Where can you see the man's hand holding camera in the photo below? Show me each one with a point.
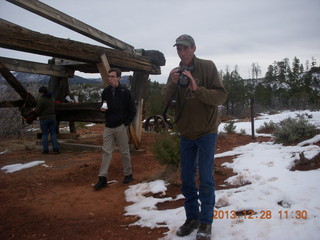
(175, 75)
(183, 78)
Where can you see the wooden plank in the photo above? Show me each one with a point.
(65, 20)
(37, 68)
(104, 68)
(19, 38)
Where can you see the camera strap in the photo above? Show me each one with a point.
(168, 105)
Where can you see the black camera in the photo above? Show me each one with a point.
(183, 79)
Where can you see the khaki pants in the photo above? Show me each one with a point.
(111, 137)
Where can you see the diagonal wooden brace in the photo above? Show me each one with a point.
(104, 68)
(24, 94)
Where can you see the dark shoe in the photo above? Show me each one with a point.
(56, 152)
(188, 227)
(45, 152)
(204, 232)
(101, 184)
(127, 179)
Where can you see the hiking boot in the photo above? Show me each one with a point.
(101, 184)
(188, 227)
(127, 179)
(204, 232)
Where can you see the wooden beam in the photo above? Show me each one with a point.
(76, 65)
(65, 20)
(37, 68)
(79, 112)
(19, 38)
(94, 116)
(77, 106)
(104, 68)
(5, 72)
(11, 104)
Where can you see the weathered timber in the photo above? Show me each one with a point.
(156, 56)
(65, 20)
(80, 106)
(37, 68)
(80, 112)
(94, 116)
(75, 65)
(139, 83)
(5, 72)
(104, 68)
(59, 87)
(18, 38)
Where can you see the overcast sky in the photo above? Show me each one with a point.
(229, 32)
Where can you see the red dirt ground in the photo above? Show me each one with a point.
(58, 201)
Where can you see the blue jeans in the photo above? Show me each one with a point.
(198, 152)
(49, 125)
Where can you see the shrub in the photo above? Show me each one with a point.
(230, 128)
(243, 131)
(267, 127)
(166, 150)
(292, 130)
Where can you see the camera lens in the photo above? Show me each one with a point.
(183, 81)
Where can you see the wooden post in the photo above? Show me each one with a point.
(139, 81)
(59, 86)
(104, 68)
(252, 117)
(138, 120)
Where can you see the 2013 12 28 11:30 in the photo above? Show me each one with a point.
(263, 214)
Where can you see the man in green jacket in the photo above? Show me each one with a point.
(47, 117)
(198, 91)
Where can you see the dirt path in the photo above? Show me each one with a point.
(58, 201)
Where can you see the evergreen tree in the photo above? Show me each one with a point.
(313, 62)
(295, 75)
(153, 104)
(237, 91)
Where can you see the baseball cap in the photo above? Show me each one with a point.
(185, 40)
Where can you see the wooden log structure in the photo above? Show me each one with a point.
(15, 37)
(63, 19)
(69, 56)
(79, 112)
(28, 99)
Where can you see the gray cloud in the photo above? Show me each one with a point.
(228, 32)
